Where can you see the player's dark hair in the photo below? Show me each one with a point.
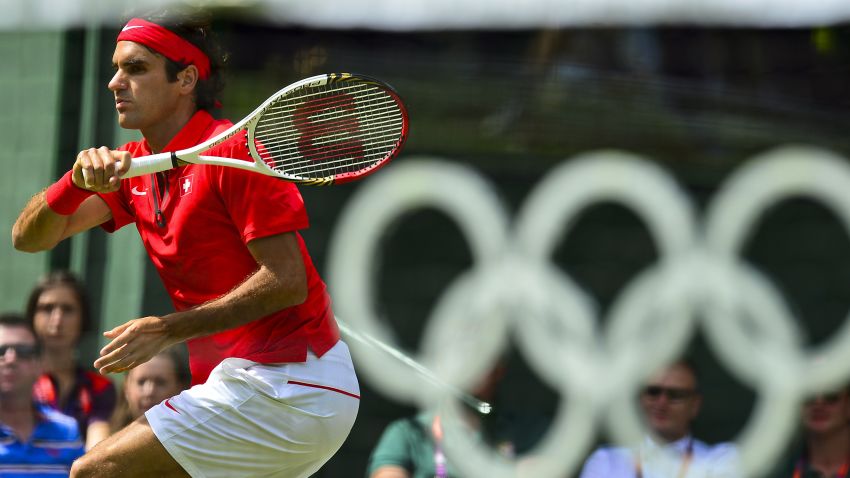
(195, 26)
(55, 279)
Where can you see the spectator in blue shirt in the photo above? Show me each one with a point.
(35, 441)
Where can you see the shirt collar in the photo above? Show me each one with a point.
(190, 135)
(40, 411)
(680, 446)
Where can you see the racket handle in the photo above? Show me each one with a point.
(150, 164)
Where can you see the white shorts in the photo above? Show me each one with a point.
(269, 420)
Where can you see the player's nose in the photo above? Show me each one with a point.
(117, 82)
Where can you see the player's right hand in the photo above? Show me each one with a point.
(100, 169)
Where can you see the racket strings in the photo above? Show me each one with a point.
(298, 113)
(322, 91)
(327, 164)
(338, 157)
(310, 121)
(377, 145)
(320, 103)
(312, 112)
(334, 121)
(285, 143)
(284, 154)
(335, 130)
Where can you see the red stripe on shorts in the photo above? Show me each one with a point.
(325, 388)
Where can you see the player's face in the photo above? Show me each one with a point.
(20, 365)
(670, 402)
(58, 317)
(144, 97)
(151, 383)
(826, 413)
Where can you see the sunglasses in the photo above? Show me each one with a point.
(672, 394)
(22, 351)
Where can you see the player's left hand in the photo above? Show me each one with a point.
(133, 343)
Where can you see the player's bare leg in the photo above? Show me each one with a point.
(133, 451)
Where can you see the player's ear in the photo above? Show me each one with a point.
(188, 78)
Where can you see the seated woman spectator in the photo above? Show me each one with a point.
(163, 376)
(58, 310)
(825, 448)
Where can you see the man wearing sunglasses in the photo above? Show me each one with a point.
(670, 401)
(35, 441)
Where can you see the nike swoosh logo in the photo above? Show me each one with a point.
(136, 191)
(130, 27)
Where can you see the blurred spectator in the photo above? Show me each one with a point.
(825, 451)
(670, 401)
(58, 310)
(35, 440)
(411, 447)
(163, 376)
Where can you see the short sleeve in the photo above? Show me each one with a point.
(393, 448)
(122, 214)
(260, 205)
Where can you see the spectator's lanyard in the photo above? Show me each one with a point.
(801, 465)
(686, 461)
(439, 458)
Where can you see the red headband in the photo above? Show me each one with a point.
(167, 43)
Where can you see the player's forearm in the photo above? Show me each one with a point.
(64, 208)
(263, 293)
(38, 227)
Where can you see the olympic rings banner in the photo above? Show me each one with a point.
(513, 290)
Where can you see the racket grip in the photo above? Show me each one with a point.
(150, 164)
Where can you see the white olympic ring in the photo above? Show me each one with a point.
(699, 280)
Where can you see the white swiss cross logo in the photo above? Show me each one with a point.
(186, 185)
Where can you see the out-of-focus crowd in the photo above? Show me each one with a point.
(53, 407)
(670, 401)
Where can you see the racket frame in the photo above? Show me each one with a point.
(163, 161)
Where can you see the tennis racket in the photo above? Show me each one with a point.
(323, 130)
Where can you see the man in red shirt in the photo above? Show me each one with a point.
(276, 392)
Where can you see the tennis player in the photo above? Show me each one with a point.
(275, 393)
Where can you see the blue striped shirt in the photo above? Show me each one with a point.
(54, 444)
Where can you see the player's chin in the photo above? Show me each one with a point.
(127, 121)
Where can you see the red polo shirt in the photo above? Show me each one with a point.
(209, 214)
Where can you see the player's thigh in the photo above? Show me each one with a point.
(131, 452)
